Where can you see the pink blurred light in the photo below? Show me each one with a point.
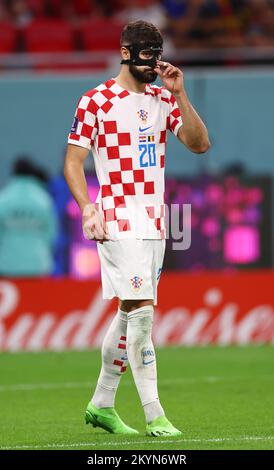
(194, 220)
(197, 199)
(241, 244)
(235, 216)
(214, 193)
(232, 182)
(234, 196)
(72, 207)
(211, 227)
(85, 263)
(254, 196)
(252, 215)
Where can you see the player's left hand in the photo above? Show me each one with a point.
(94, 224)
(172, 77)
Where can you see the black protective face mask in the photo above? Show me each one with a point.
(152, 49)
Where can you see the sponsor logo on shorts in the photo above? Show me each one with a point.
(148, 356)
(136, 283)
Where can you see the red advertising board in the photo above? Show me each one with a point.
(193, 309)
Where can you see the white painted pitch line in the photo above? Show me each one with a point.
(71, 385)
(46, 386)
(154, 441)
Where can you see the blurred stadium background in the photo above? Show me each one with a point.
(221, 290)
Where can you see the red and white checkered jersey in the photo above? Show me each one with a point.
(127, 133)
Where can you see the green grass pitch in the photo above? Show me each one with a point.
(220, 397)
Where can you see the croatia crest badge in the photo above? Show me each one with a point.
(143, 115)
(136, 283)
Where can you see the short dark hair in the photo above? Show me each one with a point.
(23, 166)
(140, 31)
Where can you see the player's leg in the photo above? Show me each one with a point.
(142, 359)
(114, 362)
(140, 349)
(100, 411)
(141, 355)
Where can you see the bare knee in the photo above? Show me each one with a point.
(129, 305)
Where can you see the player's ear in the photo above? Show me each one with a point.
(125, 53)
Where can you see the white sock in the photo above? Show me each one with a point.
(114, 362)
(141, 356)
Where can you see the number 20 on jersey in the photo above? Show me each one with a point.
(147, 155)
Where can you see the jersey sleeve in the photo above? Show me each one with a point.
(175, 118)
(84, 127)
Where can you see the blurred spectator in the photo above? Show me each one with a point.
(175, 8)
(28, 225)
(20, 12)
(133, 10)
(4, 12)
(178, 21)
(206, 23)
(216, 24)
(260, 31)
(73, 9)
(188, 23)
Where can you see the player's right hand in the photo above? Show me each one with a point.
(94, 224)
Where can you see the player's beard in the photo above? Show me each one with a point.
(142, 76)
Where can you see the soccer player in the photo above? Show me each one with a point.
(124, 121)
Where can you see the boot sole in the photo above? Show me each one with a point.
(163, 434)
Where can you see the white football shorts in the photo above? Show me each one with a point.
(131, 268)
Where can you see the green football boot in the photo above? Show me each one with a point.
(108, 419)
(161, 427)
